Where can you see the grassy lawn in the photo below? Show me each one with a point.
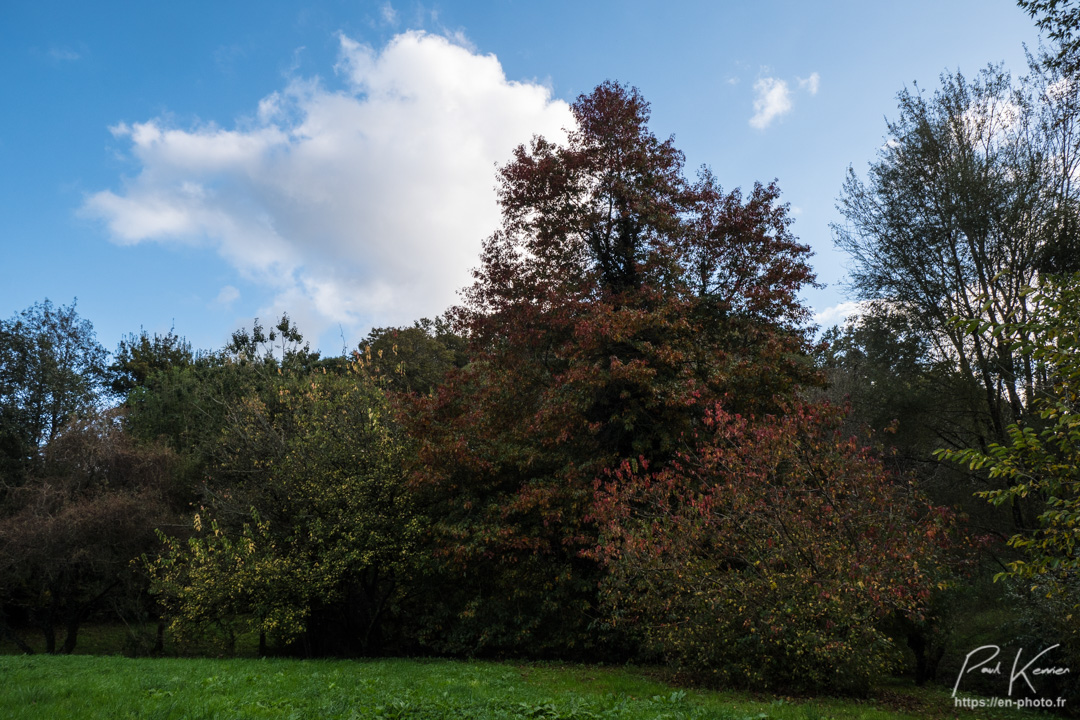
(86, 686)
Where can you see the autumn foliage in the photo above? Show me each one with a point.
(769, 553)
(606, 451)
(625, 317)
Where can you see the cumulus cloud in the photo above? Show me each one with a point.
(772, 98)
(360, 205)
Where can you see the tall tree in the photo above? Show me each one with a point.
(1041, 459)
(967, 205)
(616, 299)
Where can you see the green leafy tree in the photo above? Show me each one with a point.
(184, 398)
(307, 532)
(1040, 461)
(948, 204)
(970, 201)
(281, 346)
(138, 357)
(52, 369)
(413, 359)
(1042, 456)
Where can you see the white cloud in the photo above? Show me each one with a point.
(989, 121)
(389, 14)
(811, 83)
(361, 205)
(63, 54)
(226, 297)
(837, 314)
(772, 99)
(1060, 89)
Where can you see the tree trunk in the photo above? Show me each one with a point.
(917, 642)
(48, 631)
(72, 634)
(16, 638)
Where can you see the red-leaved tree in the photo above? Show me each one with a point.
(616, 303)
(770, 553)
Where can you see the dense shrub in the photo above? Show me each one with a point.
(769, 553)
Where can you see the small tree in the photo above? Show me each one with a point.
(138, 357)
(1041, 460)
(1040, 464)
(281, 346)
(307, 532)
(71, 531)
(413, 359)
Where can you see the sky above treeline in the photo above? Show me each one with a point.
(196, 165)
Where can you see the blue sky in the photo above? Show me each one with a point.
(195, 165)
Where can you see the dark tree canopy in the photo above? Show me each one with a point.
(139, 356)
(69, 533)
(1060, 20)
(51, 370)
(615, 301)
(413, 359)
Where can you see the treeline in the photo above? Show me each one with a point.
(626, 443)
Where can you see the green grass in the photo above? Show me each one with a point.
(83, 686)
